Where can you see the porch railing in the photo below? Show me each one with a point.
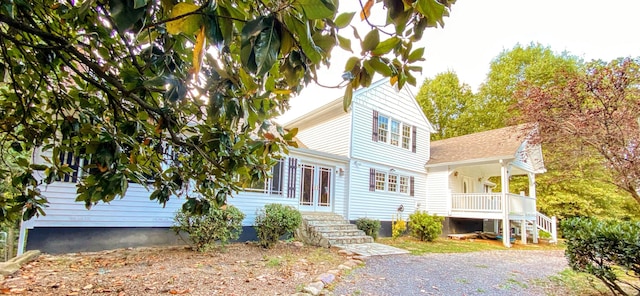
(522, 205)
(519, 205)
(548, 224)
(476, 202)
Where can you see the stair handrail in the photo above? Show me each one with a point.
(548, 224)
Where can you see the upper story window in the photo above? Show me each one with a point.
(394, 132)
(406, 136)
(383, 128)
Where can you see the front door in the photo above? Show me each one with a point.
(316, 188)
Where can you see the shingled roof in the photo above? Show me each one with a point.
(493, 144)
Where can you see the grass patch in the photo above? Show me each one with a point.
(569, 282)
(444, 245)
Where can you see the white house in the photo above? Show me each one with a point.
(376, 161)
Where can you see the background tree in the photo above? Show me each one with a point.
(534, 63)
(576, 183)
(449, 105)
(131, 85)
(598, 109)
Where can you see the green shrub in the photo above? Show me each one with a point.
(425, 227)
(217, 225)
(605, 249)
(371, 227)
(274, 221)
(398, 226)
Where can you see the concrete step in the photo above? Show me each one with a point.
(343, 233)
(350, 240)
(330, 227)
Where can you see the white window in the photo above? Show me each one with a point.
(383, 128)
(381, 179)
(271, 185)
(406, 136)
(395, 133)
(404, 184)
(393, 183)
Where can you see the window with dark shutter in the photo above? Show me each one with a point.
(412, 183)
(372, 179)
(74, 163)
(374, 134)
(291, 185)
(414, 131)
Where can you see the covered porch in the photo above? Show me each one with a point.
(478, 169)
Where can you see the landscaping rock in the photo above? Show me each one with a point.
(326, 278)
(314, 288)
(14, 264)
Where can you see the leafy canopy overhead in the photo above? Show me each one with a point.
(177, 95)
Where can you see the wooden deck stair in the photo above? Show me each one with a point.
(329, 229)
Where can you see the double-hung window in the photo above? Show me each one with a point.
(381, 179)
(394, 132)
(383, 128)
(271, 185)
(406, 136)
(391, 182)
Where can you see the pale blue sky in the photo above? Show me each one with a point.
(477, 31)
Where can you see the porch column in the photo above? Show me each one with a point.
(532, 194)
(504, 180)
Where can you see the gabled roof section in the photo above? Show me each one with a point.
(335, 108)
(503, 143)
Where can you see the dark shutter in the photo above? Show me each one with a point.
(374, 134)
(414, 131)
(372, 179)
(291, 186)
(412, 186)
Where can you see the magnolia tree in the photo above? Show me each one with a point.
(598, 108)
(178, 96)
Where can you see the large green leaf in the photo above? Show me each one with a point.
(188, 24)
(371, 40)
(344, 19)
(317, 9)
(267, 47)
(433, 11)
(348, 97)
(386, 46)
(303, 31)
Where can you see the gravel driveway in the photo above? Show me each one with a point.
(479, 273)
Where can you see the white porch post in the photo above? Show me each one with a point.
(532, 194)
(504, 178)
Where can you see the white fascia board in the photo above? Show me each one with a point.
(318, 154)
(472, 161)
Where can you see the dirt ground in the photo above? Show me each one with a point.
(242, 269)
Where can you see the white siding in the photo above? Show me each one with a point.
(135, 210)
(438, 191)
(399, 105)
(381, 205)
(331, 136)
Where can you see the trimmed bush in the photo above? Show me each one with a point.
(606, 249)
(371, 227)
(425, 227)
(275, 221)
(217, 225)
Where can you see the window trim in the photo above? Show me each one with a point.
(376, 177)
(269, 182)
(385, 135)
